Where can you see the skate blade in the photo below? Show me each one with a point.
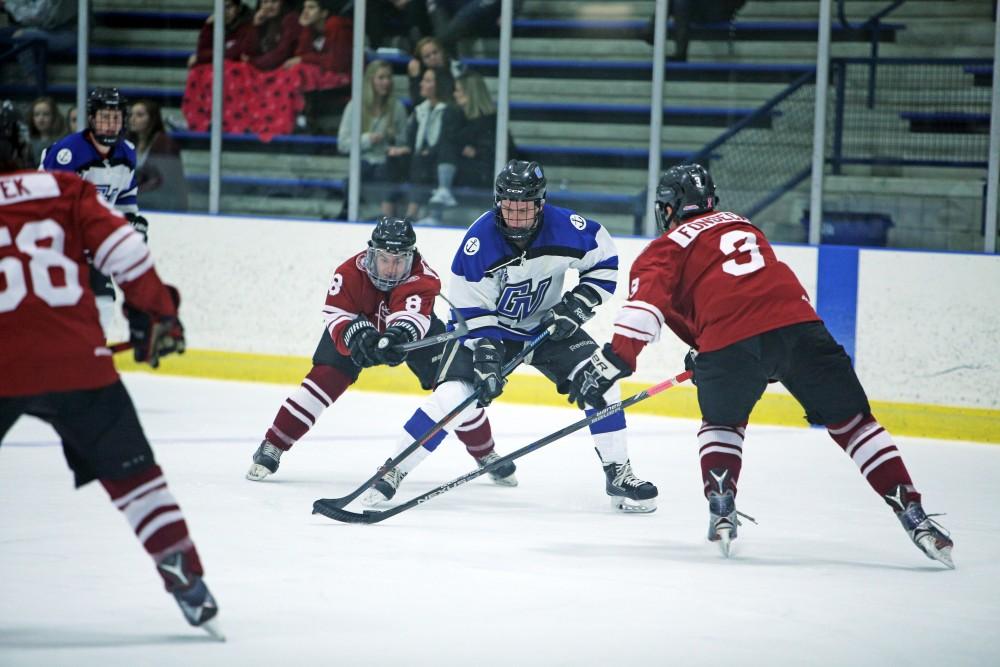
(257, 472)
(629, 506)
(509, 480)
(212, 628)
(942, 556)
(725, 542)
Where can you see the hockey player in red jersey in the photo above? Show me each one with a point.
(54, 364)
(713, 278)
(378, 299)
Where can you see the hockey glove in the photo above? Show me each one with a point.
(387, 349)
(486, 361)
(689, 363)
(139, 224)
(154, 337)
(361, 337)
(594, 378)
(577, 306)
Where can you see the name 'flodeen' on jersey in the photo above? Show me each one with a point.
(113, 176)
(503, 292)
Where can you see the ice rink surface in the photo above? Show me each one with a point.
(542, 574)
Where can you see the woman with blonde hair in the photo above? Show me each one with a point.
(477, 138)
(383, 130)
(45, 125)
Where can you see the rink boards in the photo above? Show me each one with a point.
(922, 327)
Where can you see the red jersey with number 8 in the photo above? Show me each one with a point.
(352, 293)
(714, 280)
(50, 334)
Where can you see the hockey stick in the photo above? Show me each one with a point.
(461, 328)
(120, 347)
(434, 430)
(337, 513)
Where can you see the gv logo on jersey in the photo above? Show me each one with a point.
(109, 193)
(518, 301)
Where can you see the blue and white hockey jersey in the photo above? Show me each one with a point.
(503, 292)
(114, 176)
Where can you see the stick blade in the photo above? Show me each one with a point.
(329, 508)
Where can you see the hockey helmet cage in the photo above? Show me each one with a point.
(688, 190)
(106, 98)
(520, 181)
(389, 258)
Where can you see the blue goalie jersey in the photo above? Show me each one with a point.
(504, 292)
(114, 175)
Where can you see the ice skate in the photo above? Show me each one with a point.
(384, 489)
(628, 493)
(442, 197)
(929, 536)
(723, 521)
(502, 475)
(265, 461)
(192, 595)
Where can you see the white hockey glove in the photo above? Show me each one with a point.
(593, 379)
(577, 306)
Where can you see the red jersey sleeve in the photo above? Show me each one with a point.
(118, 250)
(334, 53)
(345, 300)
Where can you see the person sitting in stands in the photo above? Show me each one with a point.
(276, 35)
(383, 132)
(45, 125)
(477, 138)
(159, 171)
(428, 54)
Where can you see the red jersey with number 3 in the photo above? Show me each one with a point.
(714, 280)
(50, 334)
(352, 293)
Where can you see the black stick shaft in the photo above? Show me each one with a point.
(374, 516)
(434, 430)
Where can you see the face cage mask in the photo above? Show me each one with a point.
(106, 139)
(522, 233)
(386, 283)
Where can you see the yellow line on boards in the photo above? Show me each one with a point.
(921, 420)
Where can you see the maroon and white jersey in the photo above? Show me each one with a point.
(352, 293)
(50, 334)
(714, 280)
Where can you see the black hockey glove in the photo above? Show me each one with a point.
(577, 306)
(593, 379)
(387, 349)
(361, 337)
(689, 363)
(154, 337)
(487, 359)
(139, 224)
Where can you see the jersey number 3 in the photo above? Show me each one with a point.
(729, 244)
(43, 265)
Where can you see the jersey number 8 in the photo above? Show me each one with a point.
(44, 260)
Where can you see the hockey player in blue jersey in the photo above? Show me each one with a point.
(101, 155)
(507, 281)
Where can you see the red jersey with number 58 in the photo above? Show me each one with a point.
(50, 334)
(352, 293)
(714, 280)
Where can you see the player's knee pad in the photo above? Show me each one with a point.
(446, 397)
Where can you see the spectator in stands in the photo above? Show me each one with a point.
(454, 20)
(429, 53)
(52, 22)
(403, 19)
(276, 35)
(239, 40)
(71, 120)
(477, 138)
(383, 132)
(433, 135)
(45, 125)
(686, 12)
(159, 172)
(239, 35)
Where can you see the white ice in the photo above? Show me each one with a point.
(542, 574)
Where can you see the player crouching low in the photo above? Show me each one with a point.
(378, 299)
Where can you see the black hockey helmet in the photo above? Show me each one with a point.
(12, 147)
(390, 252)
(106, 98)
(520, 181)
(687, 189)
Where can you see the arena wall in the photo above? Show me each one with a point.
(921, 326)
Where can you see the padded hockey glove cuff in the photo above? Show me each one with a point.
(154, 337)
(139, 224)
(689, 363)
(576, 307)
(487, 359)
(387, 348)
(361, 337)
(594, 378)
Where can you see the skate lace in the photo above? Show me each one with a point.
(488, 459)
(394, 477)
(267, 449)
(930, 525)
(624, 476)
